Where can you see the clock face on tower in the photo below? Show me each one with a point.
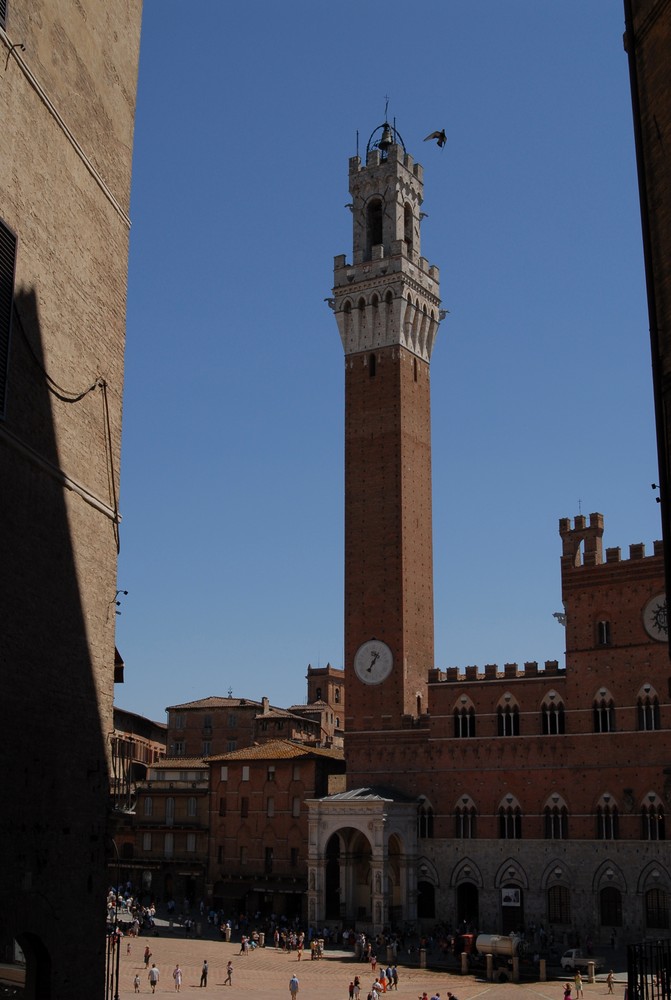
(373, 661)
(654, 618)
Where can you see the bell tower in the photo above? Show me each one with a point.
(387, 306)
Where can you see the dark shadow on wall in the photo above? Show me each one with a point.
(53, 820)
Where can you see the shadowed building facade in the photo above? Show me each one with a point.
(67, 105)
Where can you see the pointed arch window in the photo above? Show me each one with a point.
(552, 715)
(647, 710)
(657, 909)
(607, 824)
(508, 717)
(464, 719)
(424, 819)
(610, 906)
(604, 713)
(652, 819)
(464, 819)
(556, 819)
(510, 820)
(559, 905)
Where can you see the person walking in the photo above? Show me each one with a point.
(154, 976)
(177, 976)
(136, 984)
(147, 956)
(203, 974)
(293, 987)
(228, 981)
(610, 979)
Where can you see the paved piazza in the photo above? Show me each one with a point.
(265, 973)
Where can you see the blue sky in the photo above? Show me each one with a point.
(232, 461)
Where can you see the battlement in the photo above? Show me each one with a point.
(492, 672)
(582, 544)
(396, 154)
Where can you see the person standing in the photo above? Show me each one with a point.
(136, 984)
(578, 984)
(610, 979)
(147, 956)
(228, 981)
(177, 976)
(293, 987)
(154, 976)
(203, 974)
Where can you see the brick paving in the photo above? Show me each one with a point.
(265, 974)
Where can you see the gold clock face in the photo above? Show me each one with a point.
(373, 661)
(655, 618)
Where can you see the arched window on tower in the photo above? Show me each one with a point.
(374, 225)
(552, 715)
(647, 709)
(424, 818)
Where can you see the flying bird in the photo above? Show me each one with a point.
(440, 137)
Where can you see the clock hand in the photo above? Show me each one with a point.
(374, 657)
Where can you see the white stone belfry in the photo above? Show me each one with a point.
(389, 295)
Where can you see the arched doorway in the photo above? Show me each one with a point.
(468, 905)
(426, 900)
(332, 879)
(38, 967)
(512, 909)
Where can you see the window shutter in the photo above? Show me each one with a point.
(7, 261)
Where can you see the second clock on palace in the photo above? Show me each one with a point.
(373, 661)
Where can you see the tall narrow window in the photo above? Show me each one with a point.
(244, 807)
(424, 819)
(552, 716)
(169, 811)
(508, 720)
(7, 265)
(464, 817)
(657, 909)
(648, 711)
(510, 823)
(606, 819)
(407, 226)
(652, 822)
(604, 715)
(464, 722)
(372, 365)
(603, 633)
(269, 861)
(556, 822)
(559, 905)
(374, 229)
